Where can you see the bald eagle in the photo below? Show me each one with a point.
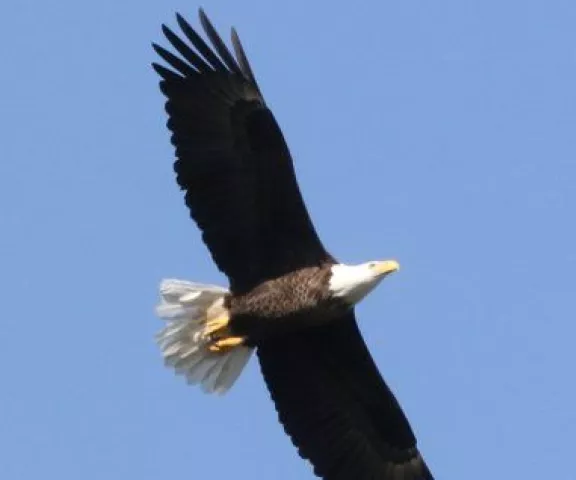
(289, 299)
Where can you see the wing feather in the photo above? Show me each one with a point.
(201, 45)
(166, 73)
(233, 161)
(175, 62)
(336, 407)
(243, 59)
(219, 45)
(185, 50)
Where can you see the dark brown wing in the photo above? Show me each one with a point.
(233, 161)
(336, 407)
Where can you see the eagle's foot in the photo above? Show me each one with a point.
(225, 344)
(218, 334)
(217, 326)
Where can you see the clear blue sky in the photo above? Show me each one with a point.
(441, 133)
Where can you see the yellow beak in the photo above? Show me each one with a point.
(386, 267)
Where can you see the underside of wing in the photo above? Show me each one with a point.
(232, 160)
(336, 407)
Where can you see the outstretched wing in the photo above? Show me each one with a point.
(336, 407)
(233, 162)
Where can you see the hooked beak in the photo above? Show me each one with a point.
(386, 267)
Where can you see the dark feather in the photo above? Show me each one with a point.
(233, 162)
(176, 63)
(165, 73)
(243, 59)
(185, 50)
(219, 45)
(336, 407)
(200, 45)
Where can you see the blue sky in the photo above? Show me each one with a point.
(438, 133)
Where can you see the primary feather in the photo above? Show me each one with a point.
(233, 162)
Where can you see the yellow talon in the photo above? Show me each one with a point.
(217, 331)
(226, 344)
(218, 323)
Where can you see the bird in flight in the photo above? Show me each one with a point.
(289, 300)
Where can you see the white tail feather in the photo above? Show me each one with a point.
(186, 307)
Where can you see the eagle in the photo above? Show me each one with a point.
(288, 300)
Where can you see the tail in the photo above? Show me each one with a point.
(187, 308)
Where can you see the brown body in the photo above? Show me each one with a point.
(283, 304)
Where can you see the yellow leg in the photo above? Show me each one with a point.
(218, 328)
(218, 323)
(225, 344)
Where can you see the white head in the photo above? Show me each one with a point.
(353, 282)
